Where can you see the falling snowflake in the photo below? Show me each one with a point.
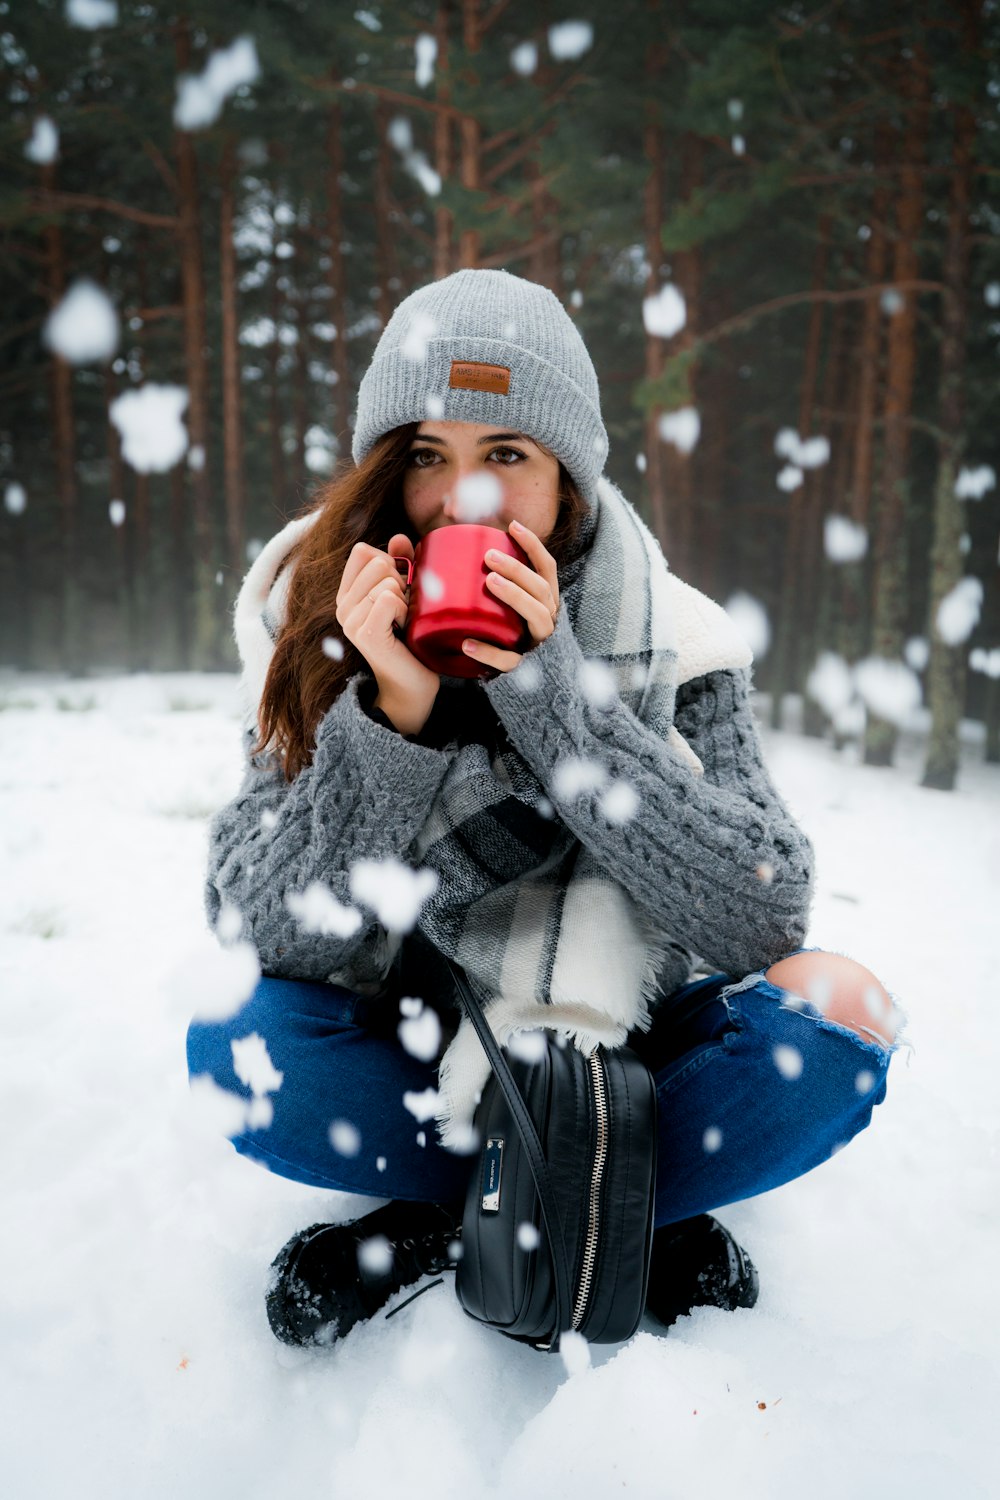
(426, 48)
(830, 683)
(149, 422)
(253, 1066)
(422, 1106)
(574, 1351)
(393, 891)
(529, 1046)
(958, 612)
(200, 98)
(15, 499)
(712, 1139)
(375, 1255)
(477, 497)
(524, 59)
(789, 478)
(345, 1138)
(420, 330)
(84, 326)
(682, 428)
(598, 684)
(44, 143)
(90, 14)
(619, 803)
(751, 620)
(316, 909)
(575, 775)
(890, 689)
(972, 484)
(421, 1035)
(431, 585)
(665, 313)
(528, 1237)
(788, 1061)
(844, 540)
(570, 39)
(917, 652)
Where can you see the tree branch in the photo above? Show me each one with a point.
(518, 252)
(42, 200)
(857, 294)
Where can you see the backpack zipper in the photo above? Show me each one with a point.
(596, 1177)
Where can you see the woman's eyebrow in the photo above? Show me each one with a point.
(492, 437)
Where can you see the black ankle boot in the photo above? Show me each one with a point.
(697, 1263)
(331, 1276)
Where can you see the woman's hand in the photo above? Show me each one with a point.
(371, 601)
(533, 592)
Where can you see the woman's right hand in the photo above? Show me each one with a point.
(371, 601)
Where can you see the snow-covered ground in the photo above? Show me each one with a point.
(136, 1356)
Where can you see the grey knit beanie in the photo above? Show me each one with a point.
(486, 346)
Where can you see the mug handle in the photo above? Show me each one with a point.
(407, 563)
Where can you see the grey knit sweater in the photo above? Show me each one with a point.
(715, 863)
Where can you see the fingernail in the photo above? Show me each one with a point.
(492, 555)
(469, 646)
(516, 526)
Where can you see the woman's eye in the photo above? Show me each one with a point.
(417, 456)
(507, 456)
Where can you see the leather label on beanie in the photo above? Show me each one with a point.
(470, 375)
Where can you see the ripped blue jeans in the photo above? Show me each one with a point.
(754, 1087)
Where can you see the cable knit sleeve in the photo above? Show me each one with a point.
(715, 861)
(365, 795)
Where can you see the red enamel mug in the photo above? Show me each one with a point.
(449, 600)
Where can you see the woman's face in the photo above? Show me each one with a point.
(465, 471)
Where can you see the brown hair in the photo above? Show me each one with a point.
(360, 504)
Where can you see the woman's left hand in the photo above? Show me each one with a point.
(533, 592)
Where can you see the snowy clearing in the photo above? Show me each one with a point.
(137, 1355)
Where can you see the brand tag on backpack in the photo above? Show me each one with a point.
(492, 1172)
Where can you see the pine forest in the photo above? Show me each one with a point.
(776, 226)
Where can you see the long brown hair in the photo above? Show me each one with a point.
(359, 504)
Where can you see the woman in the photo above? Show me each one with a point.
(591, 823)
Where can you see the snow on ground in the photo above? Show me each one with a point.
(137, 1358)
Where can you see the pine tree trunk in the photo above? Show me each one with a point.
(819, 583)
(678, 467)
(653, 223)
(539, 261)
(116, 470)
(69, 644)
(711, 461)
(338, 280)
(232, 415)
(300, 384)
(206, 623)
(180, 572)
(470, 139)
(947, 666)
(855, 592)
(785, 665)
(991, 714)
(443, 220)
(890, 570)
(277, 445)
(383, 226)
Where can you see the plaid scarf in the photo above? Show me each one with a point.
(545, 934)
